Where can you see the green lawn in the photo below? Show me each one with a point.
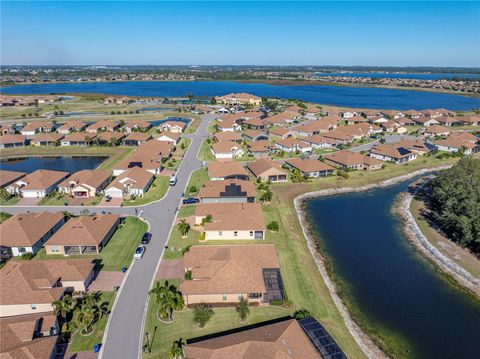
(157, 190)
(119, 250)
(81, 342)
(205, 153)
(197, 180)
(10, 202)
(183, 326)
(57, 199)
(186, 211)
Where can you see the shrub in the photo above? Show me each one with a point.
(242, 309)
(192, 189)
(27, 256)
(342, 174)
(273, 226)
(188, 275)
(301, 314)
(202, 314)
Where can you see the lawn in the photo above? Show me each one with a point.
(197, 180)
(205, 153)
(81, 342)
(9, 202)
(186, 211)
(58, 199)
(157, 190)
(119, 250)
(183, 326)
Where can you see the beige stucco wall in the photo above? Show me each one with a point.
(48, 249)
(22, 309)
(215, 235)
(216, 298)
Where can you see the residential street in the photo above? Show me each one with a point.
(124, 332)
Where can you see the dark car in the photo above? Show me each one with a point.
(146, 238)
(190, 200)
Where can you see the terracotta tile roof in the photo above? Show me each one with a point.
(75, 125)
(413, 145)
(92, 178)
(349, 158)
(465, 135)
(338, 135)
(224, 146)
(7, 177)
(17, 336)
(103, 124)
(35, 281)
(9, 139)
(309, 165)
(138, 136)
(260, 146)
(173, 123)
(228, 269)
(455, 142)
(436, 129)
(138, 124)
(318, 139)
(136, 178)
(32, 126)
(253, 133)
(109, 135)
(156, 147)
(256, 122)
(79, 137)
(280, 340)
(26, 229)
(279, 131)
(217, 189)
(232, 216)
(84, 230)
(470, 119)
(360, 129)
(174, 136)
(47, 137)
(42, 179)
(391, 150)
(225, 169)
(240, 96)
(264, 164)
(292, 142)
(228, 136)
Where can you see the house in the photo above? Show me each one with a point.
(83, 235)
(239, 99)
(390, 126)
(417, 146)
(85, 183)
(392, 114)
(280, 132)
(267, 170)
(134, 182)
(312, 113)
(9, 177)
(102, 125)
(71, 126)
(348, 160)
(110, 137)
(254, 135)
(27, 232)
(228, 136)
(9, 141)
(314, 127)
(228, 191)
(449, 121)
(465, 136)
(293, 145)
(256, 124)
(471, 120)
(136, 139)
(377, 120)
(456, 144)
(412, 114)
(436, 130)
(405, 121)
(260, 148)
(392, 153)
(339, 137)
(310, 167)
(226, 170)
(226, 150)
(231, 221)
(29, 336)
(170, 137)
(172, 126)
(31, 287)
(6, 129)
(282, 338)
(319, 141)
(36, 127)
(37, 184)
(356, 120)
(137, 125)
(360, 130)
(425, 121)
(224, 274)
(46, 139)
(77, 139)
(148, 156)
(228, 125)
(282, 118)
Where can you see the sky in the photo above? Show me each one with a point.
(240, 33)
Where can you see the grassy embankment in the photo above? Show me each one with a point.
(119, 250)
(157, 190)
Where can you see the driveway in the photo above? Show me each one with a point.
(28, 201)
(106, 281)
(169, 269)
(388, 139)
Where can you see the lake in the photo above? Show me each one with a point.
(391, 286)
(361, 97)
(67, 164)
(413, 76)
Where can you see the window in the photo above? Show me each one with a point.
(251, 233)
(21, 250)
(55, 249)
(33, 306)
(220, 233)
(224, 297)
(240, 296)
(235, 233)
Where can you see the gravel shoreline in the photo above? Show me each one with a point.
(364, 341)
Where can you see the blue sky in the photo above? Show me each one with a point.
(266, 33)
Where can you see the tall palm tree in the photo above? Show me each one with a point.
(176, 351)
(63, 307)
(168, 299)
(86, 318)
(183, 228)
(242, 309)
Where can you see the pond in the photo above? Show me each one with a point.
(387, 284)
(62, 163)
(180, 119)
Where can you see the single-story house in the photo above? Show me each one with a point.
(136, 138)
(260, 148)
(311, 168)
(27, 232)
(77, 139)
(37, 184)
(30, 287)
(471, 120)
(267, 170)
(417, 146)
(356, 120)
(392, 153)
(85, 183)
(9, 141)
(293, 145)
(226, 150)
(224, 274)
(425, 121)
(280, 132)
(226, 170)
(137, 125)
(319, 141)
(231, 221)
(239, 99)
(83, 235)
(71, 126)
(172, 126)
(112, 137)
(455, 144)
(102, 125)
(449, 121)
(9, 177)
(339, 137)
(346, 159)
(228, 136)
(436, 130)
(228, 125)
(135, 181)
(256, 124)
(46, 139)
(36, 127)
(170, 137)
(254, 135)
(228, 191)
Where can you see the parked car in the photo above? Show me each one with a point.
(173, 180)
(146, 238)
(139, 252)
(108, 198)
(190, 200)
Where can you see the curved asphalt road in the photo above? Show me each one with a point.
(124, 332)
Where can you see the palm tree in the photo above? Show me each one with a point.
(183, 228)
(63, 307)
(168, 299)
(176, 351)
(86, 318)
(266, 196)
(242, 309)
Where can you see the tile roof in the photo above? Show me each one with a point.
(92, 178)
(225, 169)
(136, 178)
(391, 150)
(224, 146)
(228, 188)
(9, 139)
(264, 164)
(138, 136)
(349, 158)
(227, 136)
(309, 165)
(42, 179)
(232, 216)
(7, 177)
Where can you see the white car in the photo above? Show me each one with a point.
(173, 180)
(139, 252)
